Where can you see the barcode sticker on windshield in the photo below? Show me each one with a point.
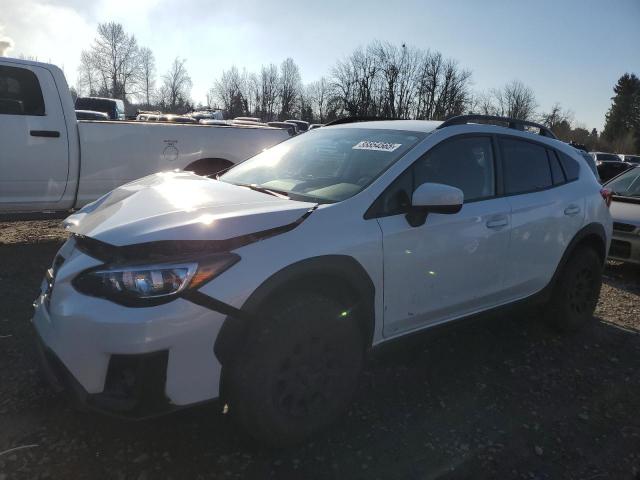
(378, 146)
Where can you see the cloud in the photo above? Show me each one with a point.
(6, 44)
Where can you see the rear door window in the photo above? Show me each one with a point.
(526, 167)
(20, 92)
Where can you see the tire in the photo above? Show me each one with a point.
(298, 370)
(208, 167)
(576, 292)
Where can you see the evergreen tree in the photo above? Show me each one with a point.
(623, 118)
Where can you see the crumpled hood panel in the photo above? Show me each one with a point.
(181, 206)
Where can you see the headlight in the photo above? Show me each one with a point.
(151, 284)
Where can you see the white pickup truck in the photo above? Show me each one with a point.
(51, 161)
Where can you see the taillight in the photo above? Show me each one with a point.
(606, 195)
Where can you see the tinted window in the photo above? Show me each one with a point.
(466, 163)
(97, 105)
(556, 170)
(20, 92)
(569, 165)
(526, 167)
(610, 157)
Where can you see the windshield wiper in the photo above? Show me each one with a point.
(269, 191)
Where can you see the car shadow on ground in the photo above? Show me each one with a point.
(502, 397)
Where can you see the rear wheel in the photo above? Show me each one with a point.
(298, 370)
(576, 292)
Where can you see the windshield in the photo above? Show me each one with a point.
(627, 184)
(324, 165)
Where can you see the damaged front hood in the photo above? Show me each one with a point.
(172, 206)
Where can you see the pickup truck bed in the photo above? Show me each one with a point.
(51, 161)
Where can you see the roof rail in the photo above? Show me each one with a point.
(511, 123)
(344, 120)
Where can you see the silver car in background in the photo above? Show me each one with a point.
(625, 210)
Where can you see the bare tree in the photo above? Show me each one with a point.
(442, 88)
(268, 88)
(319, 93)
(88, 77)
(147, 74)
(290, 88)
(354, 80)
(229, 90)
(113, 60)
(514, 100)
(398, 67)
(176, 87)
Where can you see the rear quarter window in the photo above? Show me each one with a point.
(569, 165)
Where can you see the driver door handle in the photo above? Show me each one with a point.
(45, 133)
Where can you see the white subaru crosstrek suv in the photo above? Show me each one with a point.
(267, 286)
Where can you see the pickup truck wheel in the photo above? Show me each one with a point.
(298, 370)
(208, 167)
(576, 292)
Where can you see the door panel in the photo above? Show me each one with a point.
(448, 267)
(543, 224)
(35, 155)
(453, 264)
(547, 210)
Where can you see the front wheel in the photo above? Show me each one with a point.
(298, 370)
(577, 291)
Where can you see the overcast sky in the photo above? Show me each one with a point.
(570, 51)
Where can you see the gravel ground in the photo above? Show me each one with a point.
(501, 398)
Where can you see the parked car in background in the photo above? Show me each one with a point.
(268, 285)
(172, 118)
(300, 124)
(610, 169)
(247, 119)
(51, 161)
(625, 210)
(206, 115)
(291, 127)
(590, 162)
(91, 115)
(605, 157)
(635, 159)
(113, 107)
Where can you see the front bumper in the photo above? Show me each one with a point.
(134, 389)
(132, 362)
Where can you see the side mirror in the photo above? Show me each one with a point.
(433, 198)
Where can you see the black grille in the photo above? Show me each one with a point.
(623, 227)
(620, 249)
(135, 384)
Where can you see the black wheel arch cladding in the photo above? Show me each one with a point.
(340, 275)
(592, 235)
